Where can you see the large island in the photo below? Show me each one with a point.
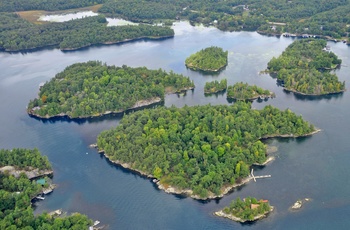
(200, 151)
(211, 59)
(17, 191)
(304, 68)
(248, 209)
(93, 89)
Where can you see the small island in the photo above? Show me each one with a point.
(248, 209)
(298, 204)
(211, 59)
(243, 91)
(94, 89)
(304, 68)
(215, 86)
(17, 192)
(200, 151)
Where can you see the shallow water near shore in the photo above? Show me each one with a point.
(311, 167)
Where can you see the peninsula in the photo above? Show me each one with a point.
(215, 86)
(211, 59)
(93, 89)
(71, 35)
(243, 91)
(304, 68)
(200, 151)
(248, 209)
(17, 191)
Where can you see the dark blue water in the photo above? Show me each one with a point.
(314, 167)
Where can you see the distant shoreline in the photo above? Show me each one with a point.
(56, 46)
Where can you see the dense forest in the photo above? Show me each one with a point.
(327, 18)
(134, 10)
(24, 158)
(18, 34)
(211, 59)
(202, 148)
(304, 68)
(244, 91)
(16, 195)
(92, 88)
(248, 208)
(316, 17)
(215, 86)
(49, 5)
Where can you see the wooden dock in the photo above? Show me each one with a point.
(258, 177)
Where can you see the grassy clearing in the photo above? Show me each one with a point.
(33, 15)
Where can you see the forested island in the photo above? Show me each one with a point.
(93, 89)
(244, 91)
(211, 59)
(200, 151)
(324, 18)
(16, 194)
(304, 68)
(17, 34)
(215, 86)
(248, 209)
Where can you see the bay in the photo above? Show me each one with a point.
(315, 167)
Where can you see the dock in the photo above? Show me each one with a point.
(258, 177)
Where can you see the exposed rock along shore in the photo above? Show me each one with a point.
(306, 94)
(138, 104)
(117, 42)
(189, 192)
(174, 190)
(195, 68)
(31, 173)
(235, 218)
(271, 95)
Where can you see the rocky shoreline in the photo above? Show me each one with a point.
(261, 96)
(118, 42)
(51, 46)
(174, 190)
(291, 135)
(137, 105)
(188, 192)
(192, 67)
(237, 219)
(31, 173)
(305, 94)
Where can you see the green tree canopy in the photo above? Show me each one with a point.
(243, 91)
(92, 88)
(202, 148)
(304, 68)
(211, 59)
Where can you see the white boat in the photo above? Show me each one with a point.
(96, 223)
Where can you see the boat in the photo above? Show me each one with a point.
(40, 198)
(96, 223)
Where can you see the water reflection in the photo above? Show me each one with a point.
(66, 17)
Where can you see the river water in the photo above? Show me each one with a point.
(315, 167)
